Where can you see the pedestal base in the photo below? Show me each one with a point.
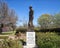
(30, 40)
(29, 47)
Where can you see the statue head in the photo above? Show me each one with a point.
(30, 7)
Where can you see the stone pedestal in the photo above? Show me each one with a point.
(30, 39)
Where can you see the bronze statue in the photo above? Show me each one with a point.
(30, 23)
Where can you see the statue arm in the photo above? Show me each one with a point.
(32, 12)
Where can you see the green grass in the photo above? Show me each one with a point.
(8, 33)
(5, 35)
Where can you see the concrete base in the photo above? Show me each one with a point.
(30, 38)
(28, 47)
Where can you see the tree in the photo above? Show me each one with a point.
(7, 15)
(45, 21)
(3, 12)
(57, 20)
(12, 17)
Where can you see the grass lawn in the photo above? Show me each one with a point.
(8, 33)
(5, 35)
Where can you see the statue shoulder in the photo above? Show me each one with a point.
(32, 10)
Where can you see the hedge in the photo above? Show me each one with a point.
(48, 40)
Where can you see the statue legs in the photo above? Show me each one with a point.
(30, 26)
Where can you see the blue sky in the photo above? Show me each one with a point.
(40, 7)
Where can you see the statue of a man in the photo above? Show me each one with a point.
(30, 23)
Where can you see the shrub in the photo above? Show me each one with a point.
(21, 29)
(48, 40)
(36, 29)
(10, 44)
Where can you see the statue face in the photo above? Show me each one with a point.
(30, 7)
